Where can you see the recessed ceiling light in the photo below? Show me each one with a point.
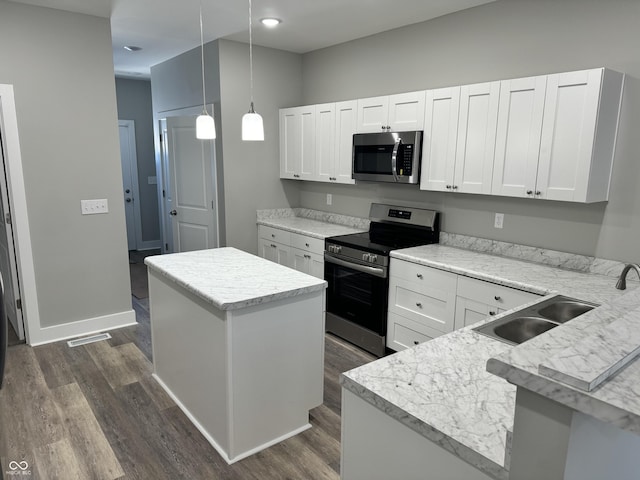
(132, 48)
(271, 22)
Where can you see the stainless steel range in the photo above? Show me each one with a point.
(356, 268)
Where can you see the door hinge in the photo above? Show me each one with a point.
(212, 207)
(166, 246)
(164, 194)
(7, 218)
(19, 304)
(160, 138)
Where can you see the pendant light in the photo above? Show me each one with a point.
(205, 124)
(252, 126)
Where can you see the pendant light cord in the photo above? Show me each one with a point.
(204, 96)
(250, 59)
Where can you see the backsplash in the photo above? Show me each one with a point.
(553, 258)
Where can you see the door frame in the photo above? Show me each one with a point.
(164, 179)
(20, 220)
(133, 159)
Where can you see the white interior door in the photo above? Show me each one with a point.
(8, 266)
(192, 179)
(130, 187)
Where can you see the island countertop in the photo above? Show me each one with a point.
(230, 279)
(442, 389)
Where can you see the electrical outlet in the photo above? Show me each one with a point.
(499, 220)
(329, 199)
(92, 207)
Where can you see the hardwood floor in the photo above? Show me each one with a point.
(95, 412)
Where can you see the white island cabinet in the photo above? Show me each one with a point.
(238, 343)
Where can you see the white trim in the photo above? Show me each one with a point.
(84, 327)
(21, 231)
(149, 245)
(133, 172)
(212, 441)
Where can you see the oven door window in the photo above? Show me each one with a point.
(358, 297)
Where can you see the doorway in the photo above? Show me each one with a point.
(128, 158)
(189, 207)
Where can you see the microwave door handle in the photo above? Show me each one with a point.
(394, 159)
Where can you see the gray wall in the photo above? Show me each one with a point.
(504, 39)
(61, 67)
(252, 169)
(134, 103)
(249, 171)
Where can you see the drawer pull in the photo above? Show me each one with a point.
(416, 342)
(419, 275)
(273, 235)
(418, 304)
(497, 297)
(492, 313)
(308, 245)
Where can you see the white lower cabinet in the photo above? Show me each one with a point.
(377, 446)
(426, 302)
(305, 254)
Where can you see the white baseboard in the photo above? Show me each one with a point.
(82, 327)
(149, 245)
(213, 442)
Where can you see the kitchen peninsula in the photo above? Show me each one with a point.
(238, 343)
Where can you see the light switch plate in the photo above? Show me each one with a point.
(329, 199)
(95, 206)
(499, 220)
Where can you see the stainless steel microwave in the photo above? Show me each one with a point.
(387, 157)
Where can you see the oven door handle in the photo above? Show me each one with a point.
(378, 272)
(394, 158)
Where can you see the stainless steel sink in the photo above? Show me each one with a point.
(529, 322)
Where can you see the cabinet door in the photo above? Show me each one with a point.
(299, 260)
(325, 142)
(373, 114)
(568, 128)
(283, 254)
(308, 142)
(266, 250)
(346, 120)
(470, 311)
(518, 136)
(403, 333)
(439, 141)
(316, 265)
(406, 111)
(476, 136)
(290, 143)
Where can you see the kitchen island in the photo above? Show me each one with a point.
(238, 343)
(436, 412)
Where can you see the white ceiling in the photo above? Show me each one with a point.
(166, 28)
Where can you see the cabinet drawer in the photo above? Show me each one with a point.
(309, 244)
(431, 304)
(419, 274)
(274, 234)
(403, 333)
(488, 293)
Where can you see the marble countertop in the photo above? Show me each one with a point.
(442, 388)
(230, 279)
(310, 227)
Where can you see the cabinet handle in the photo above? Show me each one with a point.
(449, 187)
(416, 342)
(455, 187)
(306, 244)
(307, 256)
(529, 192)
(538, 192)
(492, 313)
(273, 235)
(497, 297)
(273, 246)
(383, 127)
(418, 304)
(419, 275)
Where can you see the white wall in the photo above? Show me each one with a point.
(61, 67)
(504, 39)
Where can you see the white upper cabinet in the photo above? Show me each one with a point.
(578, 135)
(297, 142)
(476, 137)
(401, 112)
(556, 136)
(346, 120)
(325, 141)
(439, 140)
(459, 138)
(518, 136)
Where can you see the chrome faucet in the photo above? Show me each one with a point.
(622, 281)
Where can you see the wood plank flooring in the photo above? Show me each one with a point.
(95, 412)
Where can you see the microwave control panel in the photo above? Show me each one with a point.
(404, 165)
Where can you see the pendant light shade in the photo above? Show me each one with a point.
(205, 127)
(252, 125)
(205, 124)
